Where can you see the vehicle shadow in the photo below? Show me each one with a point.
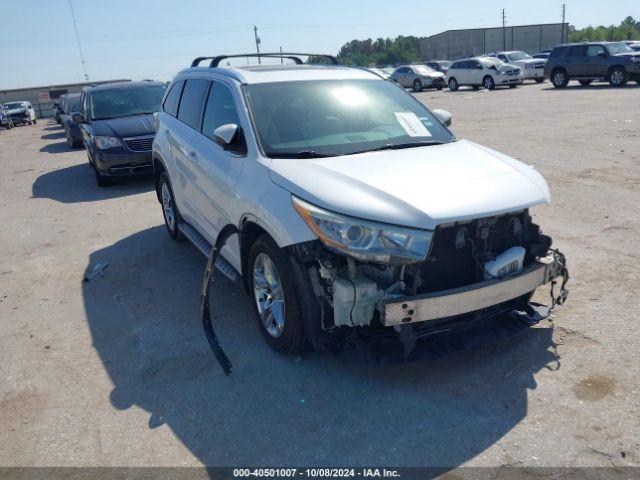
(53, 126)
(77, 184)
(58, 147)
(144, 320)
(598, 86)
(53, 136)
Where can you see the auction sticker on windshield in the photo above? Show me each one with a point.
(412, 124)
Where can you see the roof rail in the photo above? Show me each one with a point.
(215, 61)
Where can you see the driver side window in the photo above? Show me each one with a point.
(219, 110)
(594, 50)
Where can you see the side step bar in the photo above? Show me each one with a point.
(205, 248)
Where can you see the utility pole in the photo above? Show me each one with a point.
(281, 61)
(255, 34)
(504, 30)
(75, 29)
(564, 11)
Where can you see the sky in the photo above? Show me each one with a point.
(139, 39)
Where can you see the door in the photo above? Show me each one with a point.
(575, 61)
(404, 75)
(217, 169)
(595, 62)
(475, 72)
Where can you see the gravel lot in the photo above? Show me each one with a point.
(117, 371)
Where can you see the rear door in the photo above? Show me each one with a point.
(218, 169)
(575, 61)
(475, 72)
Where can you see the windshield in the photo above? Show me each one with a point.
(491, 62)
(339, 117)
(516, 56)
(423, 69)
(13, 105)
(618, 48)
(73, 104)
(123, 102)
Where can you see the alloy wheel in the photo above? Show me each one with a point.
(268, 294)
(617, 77)
(167, 207)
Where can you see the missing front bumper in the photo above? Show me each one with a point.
(458, 301)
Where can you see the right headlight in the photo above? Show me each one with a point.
(107, 142)
(365, 240)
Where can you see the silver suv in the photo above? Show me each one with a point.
(361, 217)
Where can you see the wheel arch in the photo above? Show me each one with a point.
(158, 168)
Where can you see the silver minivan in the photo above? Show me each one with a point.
(362, 219)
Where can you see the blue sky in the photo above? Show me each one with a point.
(156, 38)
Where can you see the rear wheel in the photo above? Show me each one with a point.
(585, 83)
(559, 78)
(276, 298)
(169, 209)
(417, 86)
(488, 82)
(618, 77)
(453, 84)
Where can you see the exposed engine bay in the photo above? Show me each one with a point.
(470, 262)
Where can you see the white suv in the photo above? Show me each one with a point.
(361, 217)
(532, 68)
(484, 72)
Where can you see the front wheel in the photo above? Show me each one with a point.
(618, 77)
(276, 298)
(417, 86)
(453, 85)
(489, 83)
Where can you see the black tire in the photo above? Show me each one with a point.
(453, 84)
(539, 80)
(476, 87)
(417, 86)
(488, 83)
(513, 86)
(439, 87)
(101, 180)
(585, 83)
(35, 121)
(618, 77)
(559, 78)
(291, 340)
(171, 225)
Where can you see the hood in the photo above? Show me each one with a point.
(627, 54)
(507, 67)
(418, 187)
(124, 127)
(434, 74)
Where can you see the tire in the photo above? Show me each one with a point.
(476, 87)
(417, 86)
(488, 83)
(276, 299)
(559, 78)
(513, 86)
(169, 208)
(453, 84)
(618, 77)
(539, 80)
(439, 88)
(101, 180)
(35, 121)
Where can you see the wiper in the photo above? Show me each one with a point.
(400, 146)
(126, 115)
(300, 154)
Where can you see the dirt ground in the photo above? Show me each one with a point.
(117, 371)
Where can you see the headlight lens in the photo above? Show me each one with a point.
(107, 142)
(367, 241)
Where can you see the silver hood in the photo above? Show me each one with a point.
(418, 187)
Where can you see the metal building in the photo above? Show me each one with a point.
(454, 44)
(42, 98)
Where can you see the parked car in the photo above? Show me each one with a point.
(614, 62)
(532, 68)
(5, 120)
(362, 218)
(542, 55)
(418, 77)
(72, 132)
(439, 65)
(634, 45)
(484, 72)
(380, 71)
(56, 111)
(116, 121)
(21, 112)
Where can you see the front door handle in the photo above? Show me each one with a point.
(193, 156)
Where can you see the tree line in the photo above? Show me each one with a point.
(406, 49)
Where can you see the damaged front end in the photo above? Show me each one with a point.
(478, 277)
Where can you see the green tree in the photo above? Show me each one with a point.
(382, 51)
(629, 29)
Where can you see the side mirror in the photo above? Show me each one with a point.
(602, 54)
(230, 137)
(444, 117)
(78, 118)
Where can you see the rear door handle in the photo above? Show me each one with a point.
(193, 156)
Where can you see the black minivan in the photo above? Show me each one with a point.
(117, 126)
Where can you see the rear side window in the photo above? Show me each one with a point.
(557, 52)
(173, 98)
(456, 65)
(192, 101)
(220, 109)
(578, 51)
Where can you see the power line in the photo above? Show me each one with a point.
(75, 29)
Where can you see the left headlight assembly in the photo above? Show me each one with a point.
(365, 240)
(107, 142)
